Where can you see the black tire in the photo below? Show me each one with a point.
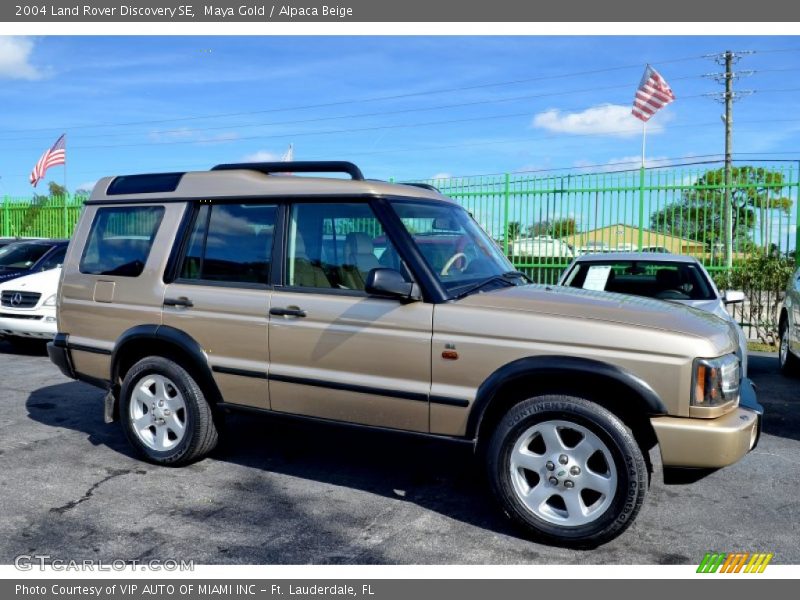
(200, 433)
(789, 363)
(629, 468)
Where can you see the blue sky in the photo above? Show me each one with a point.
(403, 107)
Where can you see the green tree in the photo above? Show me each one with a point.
(513, 229)
(55, 192)
(556, 228)
(757, 194)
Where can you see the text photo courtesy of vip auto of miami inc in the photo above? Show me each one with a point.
(399, 300)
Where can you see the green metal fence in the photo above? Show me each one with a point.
(51, 217)
(543, 221)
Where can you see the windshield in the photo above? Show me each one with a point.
(453, 245)
(665, 280)
(21, 256)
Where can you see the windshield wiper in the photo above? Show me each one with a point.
(508, 278)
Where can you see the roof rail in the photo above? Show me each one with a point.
(305, 166)
(424, 186)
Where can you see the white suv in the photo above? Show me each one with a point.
(28, 306)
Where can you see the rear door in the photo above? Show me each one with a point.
(221, 295)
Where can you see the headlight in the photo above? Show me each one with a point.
(51, 301)
(715, 381)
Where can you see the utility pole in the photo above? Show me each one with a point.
(728, 97)
(728, 220)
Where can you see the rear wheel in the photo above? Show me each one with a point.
(567, 470)
(165, 414)
(789, 363)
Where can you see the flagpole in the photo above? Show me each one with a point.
(644, 140)
(641, 187)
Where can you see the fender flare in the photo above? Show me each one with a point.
(160, 334)
(558, 365)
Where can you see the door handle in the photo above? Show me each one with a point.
(287, 312)
(182, 301)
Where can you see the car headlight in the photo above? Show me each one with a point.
(715, 381)
(51, 301)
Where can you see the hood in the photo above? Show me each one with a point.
(715, 307)
(577, 303)
(8, 273)
(43, 282)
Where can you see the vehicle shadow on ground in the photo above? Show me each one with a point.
(23, 347)
(782, 405)
(436, 475)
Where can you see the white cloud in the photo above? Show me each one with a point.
(442, 176)
(261, 156)
(15, 54)
(188, 135)
(607, 119)
(87, 185)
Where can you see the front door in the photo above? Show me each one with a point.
(221, 297)
(335, 352)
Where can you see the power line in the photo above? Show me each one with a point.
(364, 100)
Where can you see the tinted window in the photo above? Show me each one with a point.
(231, 243)
(120, 240)
(22, 256)
(335, 246)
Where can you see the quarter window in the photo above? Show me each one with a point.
(231, 243)
(120, 240)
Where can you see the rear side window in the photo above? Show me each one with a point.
(231, 243)
(120, 240)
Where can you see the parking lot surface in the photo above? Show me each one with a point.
(283, 492)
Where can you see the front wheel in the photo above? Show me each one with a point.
(165, 414)
(567, 470)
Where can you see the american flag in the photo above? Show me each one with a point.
(652, 95)
(57, 155)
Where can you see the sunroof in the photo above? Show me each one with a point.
(144, 184)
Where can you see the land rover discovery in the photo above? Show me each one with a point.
(186, 295)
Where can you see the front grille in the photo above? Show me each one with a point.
(19, 316)
(16, 299)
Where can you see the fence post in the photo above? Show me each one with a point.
(641, 208)
(65, 216)
(506, 202)
(6, 218)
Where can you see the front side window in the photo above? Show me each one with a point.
(460, 253)
(120, 240)
(335, 245)
(231, 243)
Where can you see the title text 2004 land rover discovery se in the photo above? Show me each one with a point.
(387, 306)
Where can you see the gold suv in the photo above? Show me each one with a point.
(187, 295)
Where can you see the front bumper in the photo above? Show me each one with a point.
(33, 325)
(711, 443)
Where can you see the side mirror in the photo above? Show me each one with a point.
(388, 283)
(733, 297)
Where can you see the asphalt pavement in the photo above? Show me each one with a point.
(280, 492)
